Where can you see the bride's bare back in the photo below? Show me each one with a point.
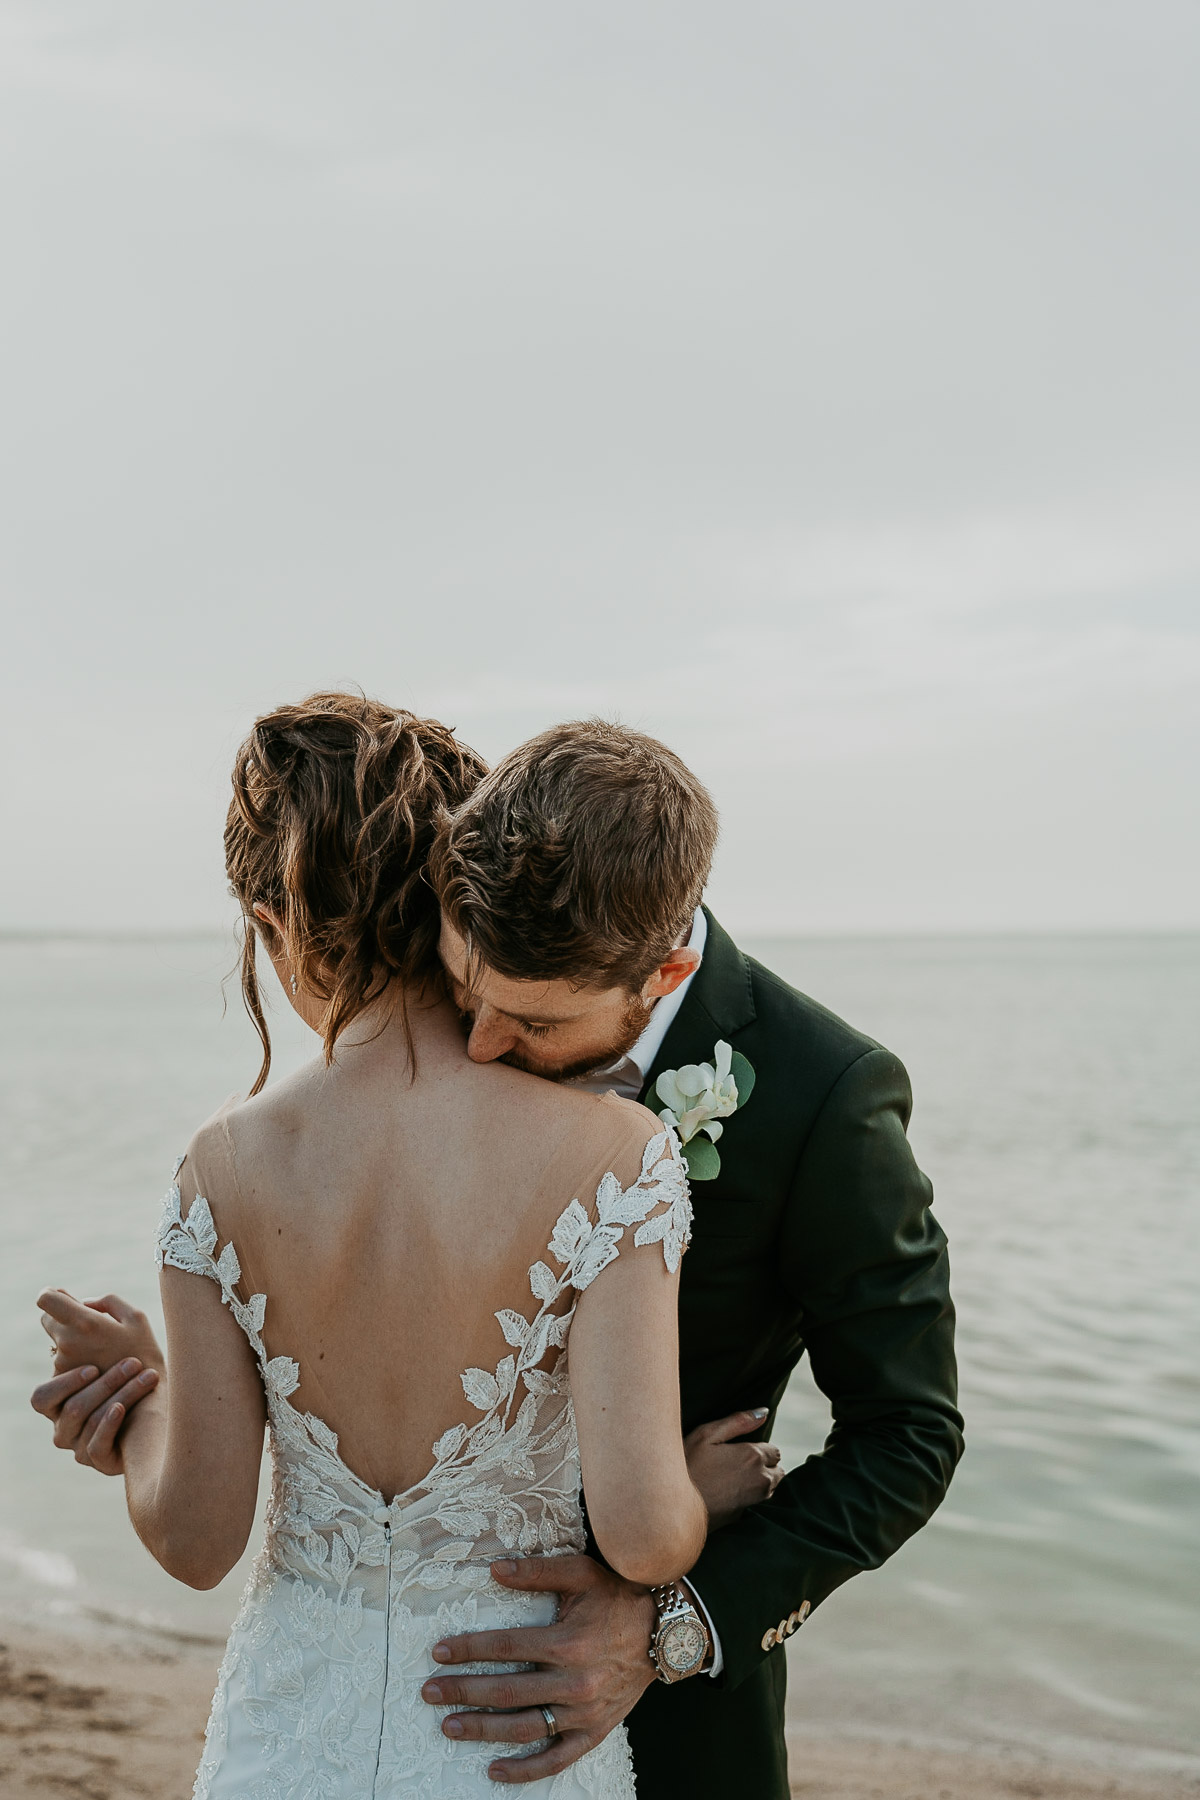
(393, 1274)
(389, 1220)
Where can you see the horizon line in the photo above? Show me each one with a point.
(193, 933)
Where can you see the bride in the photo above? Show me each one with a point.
(386, 1259)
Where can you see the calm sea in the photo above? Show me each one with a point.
(1054, 1602)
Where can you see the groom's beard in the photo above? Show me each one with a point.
(633, 1022)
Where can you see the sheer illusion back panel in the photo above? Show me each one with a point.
(385, 1253)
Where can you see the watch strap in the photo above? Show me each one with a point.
(673, 1601)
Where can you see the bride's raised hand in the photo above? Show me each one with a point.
(102, 1331)
(730, 1471)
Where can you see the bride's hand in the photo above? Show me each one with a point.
(102, 1332)
(730, 1472)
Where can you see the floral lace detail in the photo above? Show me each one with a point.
(319, 1692)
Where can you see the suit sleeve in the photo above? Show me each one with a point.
(864, 1264)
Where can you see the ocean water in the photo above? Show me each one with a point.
(1053, 1605)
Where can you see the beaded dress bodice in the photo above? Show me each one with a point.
(319, 1692)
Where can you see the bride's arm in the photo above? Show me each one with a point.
(647, 1517)
(192, 1450)
(191, 1445)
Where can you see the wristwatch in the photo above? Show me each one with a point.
(681, 1644)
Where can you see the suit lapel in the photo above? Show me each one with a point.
(718, 1003)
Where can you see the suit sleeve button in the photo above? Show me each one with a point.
(769, 1640)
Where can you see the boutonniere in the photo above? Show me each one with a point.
(695, 1100)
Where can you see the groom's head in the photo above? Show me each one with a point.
(568, 883)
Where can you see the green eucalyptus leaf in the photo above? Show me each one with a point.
(743, 1075)
(703, 1159)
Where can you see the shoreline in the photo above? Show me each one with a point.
(106, 1711)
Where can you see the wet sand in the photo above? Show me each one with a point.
(100, 1717)
(837, 1770)
(118, 1715)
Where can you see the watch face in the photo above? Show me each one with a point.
(682, 1645)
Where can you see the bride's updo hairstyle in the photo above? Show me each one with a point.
(335, 804)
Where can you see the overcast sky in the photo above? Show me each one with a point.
(813, 385)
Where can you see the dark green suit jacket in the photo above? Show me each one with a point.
(816, 1236)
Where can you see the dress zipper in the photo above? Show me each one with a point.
(387, 1649)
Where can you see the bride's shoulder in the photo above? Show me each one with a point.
(238, 1122)
(278, 1110)
(613, 1133)
(205, 1169)
(631, 1125)
(210, 1137)
(633, 1117)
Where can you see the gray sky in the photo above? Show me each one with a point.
(815, 386)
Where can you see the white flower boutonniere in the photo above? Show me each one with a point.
(695, 1100)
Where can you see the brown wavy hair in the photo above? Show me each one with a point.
(336, 802)
(583, 855)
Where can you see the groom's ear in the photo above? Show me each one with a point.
(675, 968)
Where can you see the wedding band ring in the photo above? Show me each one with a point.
(549, 1718)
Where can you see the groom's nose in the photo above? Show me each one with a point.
(492, 1035)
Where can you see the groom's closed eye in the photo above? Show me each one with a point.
(466, 1011)
(458, 995)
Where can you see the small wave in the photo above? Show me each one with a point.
(935, 1594)
(1059, 1682)
(48, 1568)
(948, 1519)
(148, 1624)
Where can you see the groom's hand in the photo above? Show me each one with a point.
(88, 1409)
(593, 1666)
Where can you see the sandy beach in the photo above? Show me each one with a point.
(120, 1714)
(101, 1717)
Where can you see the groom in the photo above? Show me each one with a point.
(577, 949)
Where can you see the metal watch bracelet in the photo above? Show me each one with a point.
(681, 1644)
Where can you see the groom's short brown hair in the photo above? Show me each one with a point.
(583, 854)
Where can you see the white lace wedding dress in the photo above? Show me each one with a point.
(319, 1693)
